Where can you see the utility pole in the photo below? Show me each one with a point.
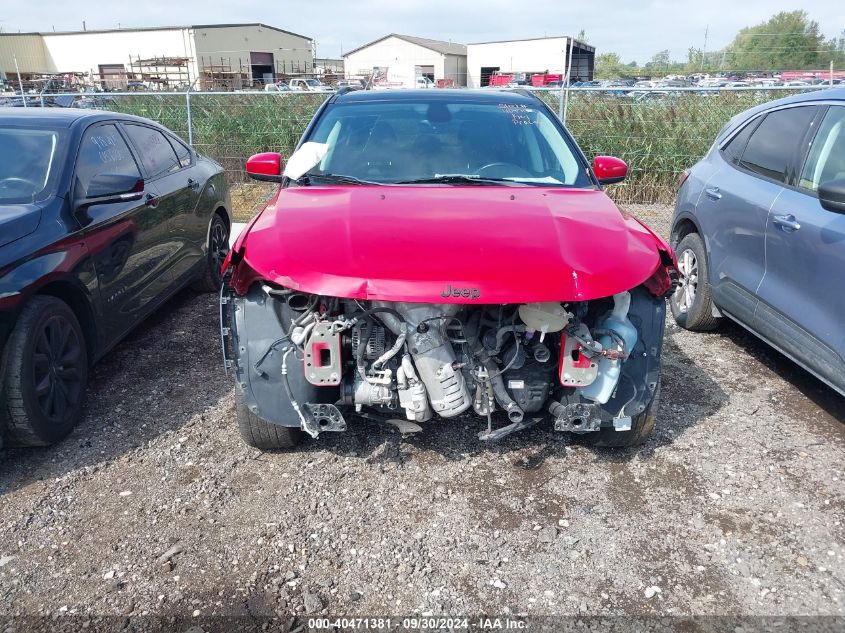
(704, 50)
(20, 81)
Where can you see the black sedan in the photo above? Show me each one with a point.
(103, 217)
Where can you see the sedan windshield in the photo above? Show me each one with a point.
(27, 160)
(437, 142)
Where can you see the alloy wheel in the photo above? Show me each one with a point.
(57, 368)
(685, 294)
(218, 245)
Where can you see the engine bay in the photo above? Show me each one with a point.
(310, 361)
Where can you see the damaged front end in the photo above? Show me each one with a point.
(310, 362)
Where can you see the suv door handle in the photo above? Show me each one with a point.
(193, 184)
(713, 193)
(151, 201)
(787, 223)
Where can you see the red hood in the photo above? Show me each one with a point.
(492, 244)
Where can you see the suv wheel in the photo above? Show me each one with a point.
(44, 372)
(692, 303)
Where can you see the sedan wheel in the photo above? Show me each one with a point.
(56, 366)
(218, 245)
(45, 371)
(218, 248)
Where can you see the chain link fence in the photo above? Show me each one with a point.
(657, 132)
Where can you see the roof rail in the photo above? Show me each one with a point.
(524, 92)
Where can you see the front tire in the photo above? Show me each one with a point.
(44, 373)
(218, 248)
(692, 302)
(261, 434)
(642, 426)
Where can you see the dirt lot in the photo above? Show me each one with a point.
(735, 506)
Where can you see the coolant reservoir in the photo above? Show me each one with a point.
(617, 320)
(544, 317)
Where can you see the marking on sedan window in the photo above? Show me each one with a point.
(520, 113)
(109, 149)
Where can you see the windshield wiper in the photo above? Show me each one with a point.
(458, 179)
(339, 179)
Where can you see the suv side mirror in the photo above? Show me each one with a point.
(609, 170)
(266, 167)
(832, 195)
(108, 188)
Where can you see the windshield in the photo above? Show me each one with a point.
(430, 140)
(313, 82)
(27, 160)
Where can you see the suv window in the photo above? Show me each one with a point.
(182, 152)
(733, 150)
(102, 151)
(826, 160)
(154, 150)
(772, 145)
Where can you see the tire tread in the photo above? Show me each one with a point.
(261, 434)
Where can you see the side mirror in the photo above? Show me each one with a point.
(832, 195)
(266, 167)
(609, 170)
(109, 188)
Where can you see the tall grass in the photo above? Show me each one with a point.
(657, 137)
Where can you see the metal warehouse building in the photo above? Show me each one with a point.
(208, 56)
(442, 62)
(529, 56)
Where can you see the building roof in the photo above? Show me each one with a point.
(578, 43)
(163, 28)
(439, 46)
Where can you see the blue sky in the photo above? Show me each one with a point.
(635, 30)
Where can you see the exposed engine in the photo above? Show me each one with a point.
(564, 361)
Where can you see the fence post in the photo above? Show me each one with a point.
(568, 79)
(190, 122)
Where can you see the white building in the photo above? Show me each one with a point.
(529, 56)
(213, 55)
(435, 59)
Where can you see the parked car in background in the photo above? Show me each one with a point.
(351, 84)
(279, 87)
(759, 230)
(103, 217)
(446, 254)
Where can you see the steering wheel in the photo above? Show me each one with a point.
(16, 183)
(504, 170)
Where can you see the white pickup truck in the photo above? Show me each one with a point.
(309, 85)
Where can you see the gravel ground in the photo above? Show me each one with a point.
(154, 506)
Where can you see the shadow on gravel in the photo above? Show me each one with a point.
(818, 399)
(688, 394)
(165, 372)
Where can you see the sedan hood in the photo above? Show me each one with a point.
(17, 221)
(447, 244)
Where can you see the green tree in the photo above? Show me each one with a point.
(787, 40)
(609, 66)
(660, 62)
